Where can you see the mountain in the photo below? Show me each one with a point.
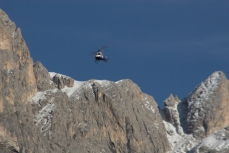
(47, 112)
(199, 122)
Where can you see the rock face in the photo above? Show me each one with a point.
(17, 85)
(171, 114)
(16, 65)
(61, 81)
(42, 77)
(208, 106)
(100, 116)
(44, 112)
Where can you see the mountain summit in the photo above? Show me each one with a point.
(199, 122)
(48, 112)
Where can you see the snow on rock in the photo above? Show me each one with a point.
(179, 143)
(79, 86)
(171, 114)
(148, 105)
(52, 74)
(199, 102)
(79, 92)
(218, 141)
(117, 82)
(183, 143)
(68, 90)
(103, 83)
(204, 90)
(39, 97)
(71, 90)
(45, 114)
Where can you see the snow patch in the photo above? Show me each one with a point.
(70, 90)
(217, 141)
(41, 96)
(179, 143)
(78, 92)
(120, 81)
(52, 74)
(103, 83)
(14, 34)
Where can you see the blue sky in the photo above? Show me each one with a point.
(164, 46)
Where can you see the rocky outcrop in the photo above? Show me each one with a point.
(170, 110)
(42, 76)
(61, 81)
(171, 114)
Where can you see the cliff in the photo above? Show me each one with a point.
(49, 112)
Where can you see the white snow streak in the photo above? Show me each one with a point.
(204, 90)
(148, 106)
(103, 83)
(72, 90)
(179, 143)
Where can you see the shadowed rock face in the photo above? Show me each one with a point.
(40, 113)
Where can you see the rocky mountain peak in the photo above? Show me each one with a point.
(171, 101)
(207, 106)
(199, 122)
(205, 89)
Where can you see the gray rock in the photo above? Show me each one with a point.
(17, 86)
(171, 113)
(61, 81)
(42, 77)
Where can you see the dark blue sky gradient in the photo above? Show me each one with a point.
(165, 47)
